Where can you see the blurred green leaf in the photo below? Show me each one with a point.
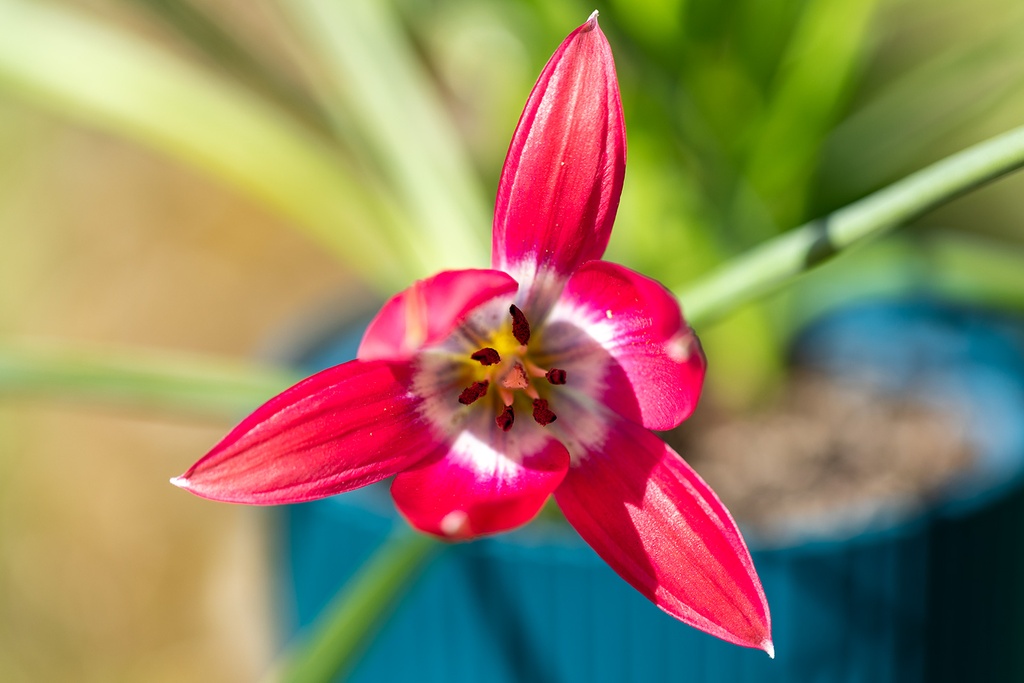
(659, 22)
(912, 117)
(813, 80)
(203, 31)
(336, 639)
(976, 269)
(62, 60)
(167, 383)
(378, 81)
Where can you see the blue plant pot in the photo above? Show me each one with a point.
(936, 596)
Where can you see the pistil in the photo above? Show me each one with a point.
(515, 378)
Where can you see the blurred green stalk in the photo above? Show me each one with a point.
(339, 635)
(177, 383)
(777, 262)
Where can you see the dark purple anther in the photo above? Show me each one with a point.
(520, 326)
(473, 392)
(505, 419)
(555, 376)
(542, 413)
(486, 356)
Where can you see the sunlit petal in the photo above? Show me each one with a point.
(657, 524)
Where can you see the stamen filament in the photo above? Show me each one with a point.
(505, 394)
(534, 369)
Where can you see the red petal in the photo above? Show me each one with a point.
(665, 532)
(560, 186)
(656, 370)
(340, 429)
(429, 311)
(490, 481)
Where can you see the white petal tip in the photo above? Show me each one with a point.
(180, 482)
(592, 21)
(769, 647)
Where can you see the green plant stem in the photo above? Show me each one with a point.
(337, 638)
(768, 267)
(176, 383)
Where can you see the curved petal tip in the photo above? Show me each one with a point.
(768, 647)
(591, 23)
(180, 482)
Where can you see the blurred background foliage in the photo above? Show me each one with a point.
(194, 175)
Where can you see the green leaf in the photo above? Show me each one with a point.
(206, 33)
(60, 59)
(376, 79)
(918, 114)
(167, 383)
(811, 85)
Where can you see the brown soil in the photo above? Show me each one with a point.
(826, 458)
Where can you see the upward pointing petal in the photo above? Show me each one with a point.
(560, 186)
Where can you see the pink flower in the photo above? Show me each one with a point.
(484, 392)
